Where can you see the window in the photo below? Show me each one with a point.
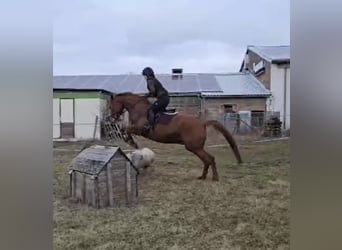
(259, 68)
(229, 108)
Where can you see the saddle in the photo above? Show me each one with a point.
(164, 117)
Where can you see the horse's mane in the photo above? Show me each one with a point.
(125, 94)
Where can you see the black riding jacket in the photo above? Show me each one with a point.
(155, 88)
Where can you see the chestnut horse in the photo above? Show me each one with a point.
(172, 128)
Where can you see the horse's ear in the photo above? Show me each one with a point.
(111, 97)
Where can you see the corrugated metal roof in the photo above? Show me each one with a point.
(189, 83)
(272, 53)
(234, 84)
(239, 84)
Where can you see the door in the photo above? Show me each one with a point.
(67, 116)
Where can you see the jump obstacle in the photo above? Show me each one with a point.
(115, 133)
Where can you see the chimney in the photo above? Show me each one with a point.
(177, 73)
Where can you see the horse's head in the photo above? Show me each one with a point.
(116, 107)
(127, 101)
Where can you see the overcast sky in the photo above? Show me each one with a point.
(113, 37)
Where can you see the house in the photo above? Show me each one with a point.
(241, 94)
(78, 100)
(77, 112)
(271, 66)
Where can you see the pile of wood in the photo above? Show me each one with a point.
(273, 127)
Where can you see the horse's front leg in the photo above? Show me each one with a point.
(128, 131)
(132, 129)
(137, 128)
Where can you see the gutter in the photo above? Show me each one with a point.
(280, 61)
(81, 90)
(237, 96)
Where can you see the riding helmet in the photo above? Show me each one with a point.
(148, 72)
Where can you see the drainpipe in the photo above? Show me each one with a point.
(285, 96)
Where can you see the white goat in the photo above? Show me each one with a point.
(142, 158)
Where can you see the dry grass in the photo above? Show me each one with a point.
(247, 209)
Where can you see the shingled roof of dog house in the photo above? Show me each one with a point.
(103, 176)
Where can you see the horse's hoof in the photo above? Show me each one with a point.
(215, 179)
(201, 178)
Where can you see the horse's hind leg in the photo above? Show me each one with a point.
(208, 160)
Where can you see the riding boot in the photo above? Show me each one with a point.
(149, 124)
(151, 117)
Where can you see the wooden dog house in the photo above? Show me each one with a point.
(103, 176)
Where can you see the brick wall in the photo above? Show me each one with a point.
(186, 105)
(215, 105)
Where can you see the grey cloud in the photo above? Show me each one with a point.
(204, 36)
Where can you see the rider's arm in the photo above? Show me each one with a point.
(151, 88)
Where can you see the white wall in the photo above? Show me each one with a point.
(56, 121)
(104, 109)
(278, 99)
(85, 114)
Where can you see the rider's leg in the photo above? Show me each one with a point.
(157, 106)
(150, 115)
(164, 102)
(153, 111)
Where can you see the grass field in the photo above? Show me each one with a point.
(247, 209)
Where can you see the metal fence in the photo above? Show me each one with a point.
(244, 122)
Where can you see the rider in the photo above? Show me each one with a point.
(157, 90)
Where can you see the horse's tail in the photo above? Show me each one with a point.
(219, 127)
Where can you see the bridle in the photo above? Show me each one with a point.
(124, 110)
